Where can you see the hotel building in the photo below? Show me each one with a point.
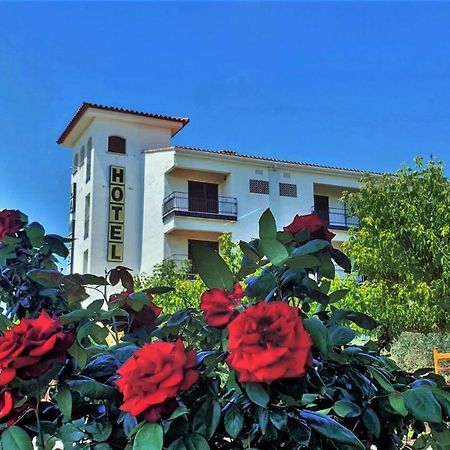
(136, 199)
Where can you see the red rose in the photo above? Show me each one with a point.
(267, 342)
(10, 222)
(29, 349)
(145, 317)
(10, 414)
(312, 222)
(155, 373)
(6, 404)
(161, 411)
(218, 305)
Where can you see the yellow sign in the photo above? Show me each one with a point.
(116, 223)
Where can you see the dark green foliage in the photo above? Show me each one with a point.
(350, 399)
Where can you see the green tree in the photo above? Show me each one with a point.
(402, 248)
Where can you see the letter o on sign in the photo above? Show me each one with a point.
(117, 194)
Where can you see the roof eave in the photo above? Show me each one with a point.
(78, 123)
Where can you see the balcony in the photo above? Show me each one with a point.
(181, 204)
(337, 218)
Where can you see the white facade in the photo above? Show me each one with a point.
(163, 209)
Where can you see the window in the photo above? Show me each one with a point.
(203, 197)
(85, 261)
(322, 207)
(87, 211)
(88, 159)
(82, 155)
(211, 244)
(75, 164)
(259, 187)
(73, 199)
(116, 144)
(288, 190)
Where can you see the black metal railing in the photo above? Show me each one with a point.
(181, 204)
(338, 218)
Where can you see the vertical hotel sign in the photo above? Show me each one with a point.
(116, 223)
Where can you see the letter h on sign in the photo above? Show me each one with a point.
(116, 225)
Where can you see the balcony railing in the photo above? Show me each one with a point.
(338, 218)
(181, 204)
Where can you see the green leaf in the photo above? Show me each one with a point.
(158, 290)
(263, 418)
(257, 394)
(341, 259)
(35, 232)
(299, 431)
(233, 421)
(319, 334)
(381, 379)
(94, 280)
(46, 278)
(330, 429)
(314, 246)
(397, 403)
(195, 442)
(75, 316)
(213, 270)
(372, 422)
(258, 287)
(340, 335)
(57, 245)
(360, 319)
(207, 418)
(177, 445)
(16, 438)
(149, 437)
(338, 295)
(92, 388)
(249, 251)
(422, 404)
(346, 409)
(303, 262)
(267, 225)
(80, 354)
(64, 400)
(274, 250)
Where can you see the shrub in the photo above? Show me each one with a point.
(412, 351)
(278, 370)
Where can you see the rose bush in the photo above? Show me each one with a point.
(280, 369)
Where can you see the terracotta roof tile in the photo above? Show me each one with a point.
(284, 161)
(85, 105)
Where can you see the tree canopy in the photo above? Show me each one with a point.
(402, 248)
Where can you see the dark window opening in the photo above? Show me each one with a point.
(203, 197)
(116, 144)
(322, 207)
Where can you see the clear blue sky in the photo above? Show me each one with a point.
(362, 85)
